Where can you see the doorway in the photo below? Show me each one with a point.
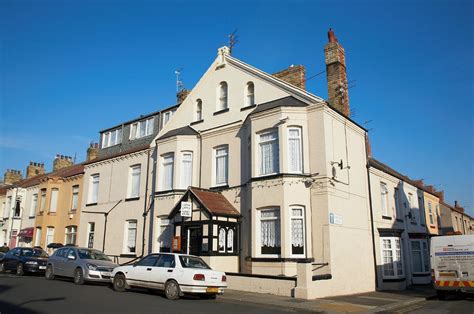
(194, 240)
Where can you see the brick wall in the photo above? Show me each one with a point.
(294, 75)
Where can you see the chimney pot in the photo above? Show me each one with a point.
(331, 36)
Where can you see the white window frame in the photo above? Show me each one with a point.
(53, 201)
(397, 257)
(223, 96)
(276, 162)
(259, 230)
(8, 208)
(396, 200)
(126, 247)
(107, 138)
(424, 254)
(34, 204)
(165, 186)
(303, 221)
(186, 163)
(294, 168)
(70, 231)
(43, 200)
(93, 195)
(134, 178)
(221, 152)
(249, 94)
(38, 234)
(75, 198)
(136, 127)
(384, 199)
(430, 213)
(413, 219)
(49, 235)
(222, 237)
(198, 110)
(167, 117)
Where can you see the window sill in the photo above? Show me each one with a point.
(279, 259)
(221, 111)
(386, 217)
(16, 217)
(31, 217)
(218, 187)
(131, 255)
(433, 227)
(51, 213)
(72, 212)
(91, 204)
(196, 122)
(247, 107)
(132, 199)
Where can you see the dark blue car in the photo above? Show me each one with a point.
(24, 260)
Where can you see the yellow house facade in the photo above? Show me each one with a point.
(58, 207)
(432, 213)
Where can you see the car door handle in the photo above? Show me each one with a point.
(148, 269)
(170, 270)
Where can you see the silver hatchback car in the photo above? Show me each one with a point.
(82, 264)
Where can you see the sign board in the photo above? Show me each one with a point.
(186, 209)
(335, 219)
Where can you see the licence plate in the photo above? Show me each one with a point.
(42, 267)
(106, 274)
(212, 290)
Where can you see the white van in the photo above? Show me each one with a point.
(452, 262)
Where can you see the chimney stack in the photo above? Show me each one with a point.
(294, 75)
(368, 149)
(181, 95)
(61, 161)
(92, 151)
(338, 95)
(34, 169)
(11, 176)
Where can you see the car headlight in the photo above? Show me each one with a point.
(91, 266)
(31, 263)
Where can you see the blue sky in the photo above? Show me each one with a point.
(71, 68)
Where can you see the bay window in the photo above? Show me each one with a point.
(167, 172)
(392, 257)
(186, 169)
(270, 231)
(295, 155)
(420, 256)
(297, 231)
(269, 153)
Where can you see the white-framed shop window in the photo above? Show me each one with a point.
(392, 261)
(270, 232)
(298, 229)
(420, 256)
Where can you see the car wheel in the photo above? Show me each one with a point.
(78, 277)
(19, 269)
(120, 283)
(49, 274)
(172, 290)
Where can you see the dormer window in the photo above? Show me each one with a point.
(111, 138)
(198, 110)
(167, 116)
(250, 95)
(223, 93)
(141, 129)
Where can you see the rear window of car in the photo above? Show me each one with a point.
(192, 262)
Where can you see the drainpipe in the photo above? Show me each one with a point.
(371, 215)
(145, 212)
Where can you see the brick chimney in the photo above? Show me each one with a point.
(34, 169)
(11, 176)
(338, 95)
(92, 151)
(61, 161)
(294, 75)
(368, 149)
(181, 95)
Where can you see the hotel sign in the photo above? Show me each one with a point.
(186, 209)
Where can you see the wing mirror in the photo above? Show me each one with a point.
(134, 264)
(71, 257)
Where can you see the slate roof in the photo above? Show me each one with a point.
(187, 130)
(125, 152)
(288, 101)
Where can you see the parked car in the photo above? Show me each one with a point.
(82, 264)
(175, 274)
(1, 256)
(24, 260)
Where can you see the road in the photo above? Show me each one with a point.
(34, 294)
(453, 304)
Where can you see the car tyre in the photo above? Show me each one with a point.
(49, 273)
(20, 270)
(172, 290)
(78, 276)
(120, 283)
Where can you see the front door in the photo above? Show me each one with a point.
(13, 239)
(194, 240)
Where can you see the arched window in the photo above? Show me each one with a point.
(223, 89)
(198, 110)
(250, 94)
(222, 239)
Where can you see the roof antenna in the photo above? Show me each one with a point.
(179, 81)
(233, 40)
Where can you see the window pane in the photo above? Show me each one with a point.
(186, 170)
(54, 200)
(269, 153)
(294, 149)
(221, 166)
(270, 232)
(230, 240)
(417, 267)
(222, 239)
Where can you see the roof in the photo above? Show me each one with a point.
(213, 202)
(288, 101)
(125, 152)
(3, 189)
(187, 130)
